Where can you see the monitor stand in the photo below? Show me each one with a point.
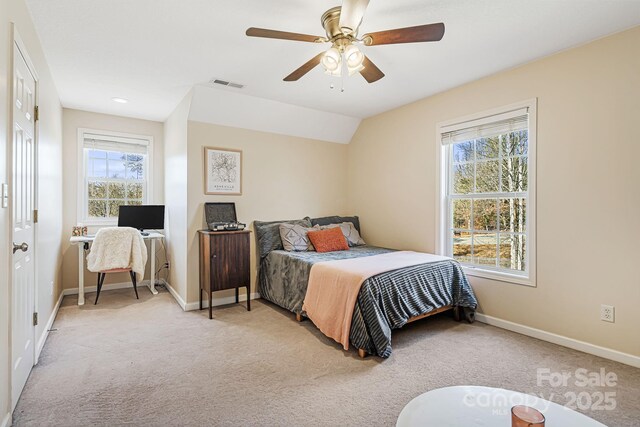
(144, 233)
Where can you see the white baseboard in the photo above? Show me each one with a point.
(596, 350)
(181, 302)
(218, 301)
(45, 333)
(111, 286)
(6, 421)
(176, 296)
(196, 305)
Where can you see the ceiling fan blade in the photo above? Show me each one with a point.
(351, 15)
(304, 69)
(370, 72)
(420, 33)
(283, 35)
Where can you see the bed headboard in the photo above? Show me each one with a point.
(268, 234)
(326, 220)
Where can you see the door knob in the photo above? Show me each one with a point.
(23, 247)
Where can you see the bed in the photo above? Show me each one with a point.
(385, 301)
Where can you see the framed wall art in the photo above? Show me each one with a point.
(222, 171)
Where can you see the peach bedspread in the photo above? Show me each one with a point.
(334, 286)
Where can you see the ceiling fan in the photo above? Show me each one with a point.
(341, 25)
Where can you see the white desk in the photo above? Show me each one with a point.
(83, 243)
(483, 406)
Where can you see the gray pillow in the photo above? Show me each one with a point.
(268, 234)
(349, 231)
(294, 237)
(326, 220)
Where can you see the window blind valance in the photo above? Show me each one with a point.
(486, 127)
(115, 143)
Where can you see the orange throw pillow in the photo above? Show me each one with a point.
(328, 240)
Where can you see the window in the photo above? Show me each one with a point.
(487, 193)
(115, 170)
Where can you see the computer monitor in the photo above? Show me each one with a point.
(142, 217)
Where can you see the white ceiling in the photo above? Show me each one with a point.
(153, 51)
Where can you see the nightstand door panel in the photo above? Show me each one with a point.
(229, 261)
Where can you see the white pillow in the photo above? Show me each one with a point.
(350, 233)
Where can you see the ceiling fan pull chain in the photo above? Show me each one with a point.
(344, 70)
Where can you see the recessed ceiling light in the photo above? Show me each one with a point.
(120, 100)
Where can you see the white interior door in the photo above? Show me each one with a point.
(23, 290)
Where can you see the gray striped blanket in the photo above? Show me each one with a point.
(385, 302)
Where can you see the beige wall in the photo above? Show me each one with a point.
(283, 177)
(72, 121)
(588, 197)
(175, 153)
(49, 197)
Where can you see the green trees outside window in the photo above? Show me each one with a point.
(488, 200)
(113, 179)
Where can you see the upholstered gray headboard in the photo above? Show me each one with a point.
(326, 220)
(268, 234)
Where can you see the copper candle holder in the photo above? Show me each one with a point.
(526, 416)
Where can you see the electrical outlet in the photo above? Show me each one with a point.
(607, 313)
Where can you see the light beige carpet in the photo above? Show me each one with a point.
(147, 362)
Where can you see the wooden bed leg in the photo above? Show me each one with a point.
(362, 353)
(469, 314)
(299, 317)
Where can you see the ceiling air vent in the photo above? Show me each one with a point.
(226, 83)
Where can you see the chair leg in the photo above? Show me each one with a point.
(135, 284)
(100, 282)
(210, 304)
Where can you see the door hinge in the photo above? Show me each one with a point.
(35, 216)
(36, 113)
(35, 319)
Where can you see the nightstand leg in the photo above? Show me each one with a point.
(210, 305)
(200, 298)
(237, 295)
(248, 299)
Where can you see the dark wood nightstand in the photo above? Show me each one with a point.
(224, 263)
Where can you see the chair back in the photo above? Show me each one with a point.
(117, 248)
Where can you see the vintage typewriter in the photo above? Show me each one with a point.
(222, 217)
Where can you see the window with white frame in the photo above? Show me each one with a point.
(488, 193)
(115, 171)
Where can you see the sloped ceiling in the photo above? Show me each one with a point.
(243, 111)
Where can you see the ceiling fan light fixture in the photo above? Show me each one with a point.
(332, 61)
(353, 57)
